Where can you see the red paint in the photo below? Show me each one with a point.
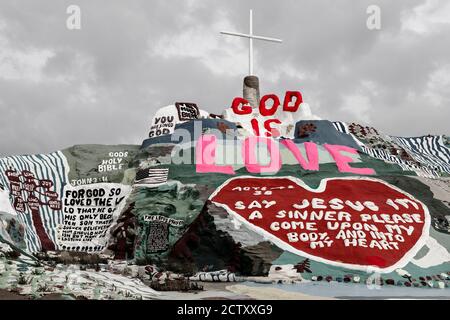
(286, 192)
(241, 106)
(291, 103)
(288, 99)
(255, 126)
(271, 132)
(267, 112)
(46, 243)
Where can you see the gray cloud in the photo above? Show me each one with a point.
(102, 84)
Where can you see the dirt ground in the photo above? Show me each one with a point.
(8, 295)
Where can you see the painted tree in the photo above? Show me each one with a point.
(28, 192)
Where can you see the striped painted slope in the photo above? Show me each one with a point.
(341, 127)
(51, 166)
(429, 151)
(421, 171)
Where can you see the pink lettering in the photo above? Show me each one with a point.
(311, 153)
(342, 161)
(205, 154)
(251, 163)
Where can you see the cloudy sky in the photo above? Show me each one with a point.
(102, 83)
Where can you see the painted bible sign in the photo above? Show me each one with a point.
(358, 223)
(89, 212)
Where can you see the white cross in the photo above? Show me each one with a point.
(251, 36)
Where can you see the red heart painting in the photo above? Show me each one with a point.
(355, 222)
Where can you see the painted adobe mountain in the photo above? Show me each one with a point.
(256, 191)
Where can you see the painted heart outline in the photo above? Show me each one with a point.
(354, 189)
